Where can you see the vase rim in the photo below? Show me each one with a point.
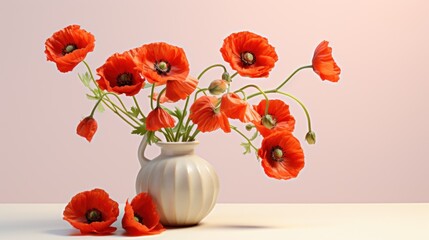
(177, 143)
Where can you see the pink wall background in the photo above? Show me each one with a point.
(372, 129)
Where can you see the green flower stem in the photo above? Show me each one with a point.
(124, 111)
(159, 97)
(170, 133)
(151, 95)
(287, 79)
(192, 138)
(117, 113)
(108, 99)
(260, 92)
(96, 105)
(233, 75)
(245, 137)
(197, 92)
(188, 131)
(290, 96)
(92, 76)
(303, 107)
(210, 67)
(167, 137)
(138, 106)
(184, 112)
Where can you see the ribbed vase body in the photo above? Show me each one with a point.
(183, 185)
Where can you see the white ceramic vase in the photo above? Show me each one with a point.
(183, 185)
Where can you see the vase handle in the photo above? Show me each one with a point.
(142, 159)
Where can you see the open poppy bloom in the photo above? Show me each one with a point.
(324, 64)
(141, 216)
(236, 108)
(278, 117)
(180, 89)
(68, 47)
(207, 117)
(159, 118)
(87, 128)
(249, 54)
(160, 62)
(92, 212)
(120, 75)
(282, 155)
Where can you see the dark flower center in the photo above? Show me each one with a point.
(125, 79)
(69, 48)
(162, 67)
(248, 58)
(277, 154)
(93, 215)
(138, 218)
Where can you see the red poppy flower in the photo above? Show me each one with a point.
(324, 64)
(236, 108)
(278, 117)
(282, 155)
(160, 62)
(141, 217)
(249, 54)
(207, 117)
(120, 75)
(92, 212)
(68, 47)
(87, 128)
(163, 98)
(159, 118)
(180, 89)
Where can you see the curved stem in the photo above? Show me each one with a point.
(287, 79)
(302, 106)
(210, 67)
(260, 92)
(124, 111)
(181, 120)
(294, 98)
(159, 97)
(117, 113)
(96, 105)
(233, 75)
(151, 95)
(90, 74)
(197, 92)
(138, 106)
(245, 137)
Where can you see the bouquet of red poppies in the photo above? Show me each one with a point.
(161, 71)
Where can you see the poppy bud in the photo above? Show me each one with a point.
(218, 87)
(249, 127)
(310, 137)
(87, 128)
(268, 121)
(226, 77)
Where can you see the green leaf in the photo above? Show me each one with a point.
(134, 111)
(247, 148)
(100, 108)
(140, 130)
(85, 78)
(151, 137)
(90, 97)
(147, 85)
(255, 135)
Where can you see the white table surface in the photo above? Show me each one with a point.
(244, 221)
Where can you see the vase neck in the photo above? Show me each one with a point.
(177, 148)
